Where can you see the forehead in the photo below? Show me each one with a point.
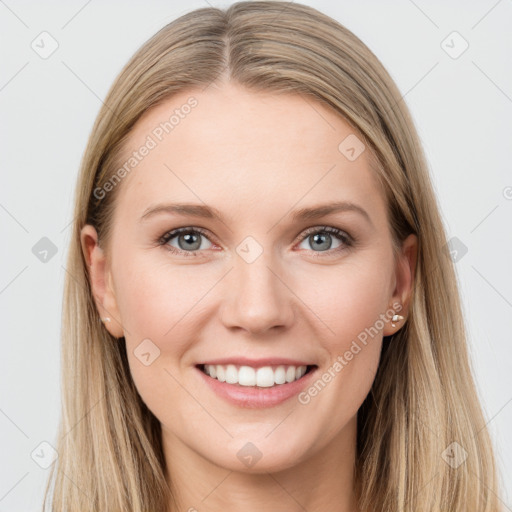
(230, 146)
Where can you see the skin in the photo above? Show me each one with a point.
(256, 157)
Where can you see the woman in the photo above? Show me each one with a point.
(260, 310)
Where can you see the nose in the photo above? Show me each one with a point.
(257, 298)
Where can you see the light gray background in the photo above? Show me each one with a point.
(462, 108)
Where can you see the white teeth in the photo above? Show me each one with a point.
(290, 374)
(264, 377)
(231, 374)
(280, 375)
(246, 376)
(221, 373)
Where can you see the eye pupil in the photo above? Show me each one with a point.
(322, 241)
(190, 239)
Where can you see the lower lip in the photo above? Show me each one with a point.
(255, 397)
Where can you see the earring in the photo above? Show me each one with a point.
(396, 318)
(106, 319)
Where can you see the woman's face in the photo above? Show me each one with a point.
(278, 277)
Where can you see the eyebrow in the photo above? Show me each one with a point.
(208, 212)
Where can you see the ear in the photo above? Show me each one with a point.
(100, 278)
(405, 271)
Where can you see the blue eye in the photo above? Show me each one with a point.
(189, 240)
(322, 239)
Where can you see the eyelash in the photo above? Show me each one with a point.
(347, 240)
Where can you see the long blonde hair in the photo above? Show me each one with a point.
(423, 398)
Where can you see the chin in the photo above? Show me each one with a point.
(259, 457)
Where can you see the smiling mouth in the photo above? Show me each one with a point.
(263, 377)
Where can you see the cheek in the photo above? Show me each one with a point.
(351, 301)
(348, 298)
(158, 305)
(162, 308)
(155, 298)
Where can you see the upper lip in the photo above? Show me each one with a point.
(257, 363)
